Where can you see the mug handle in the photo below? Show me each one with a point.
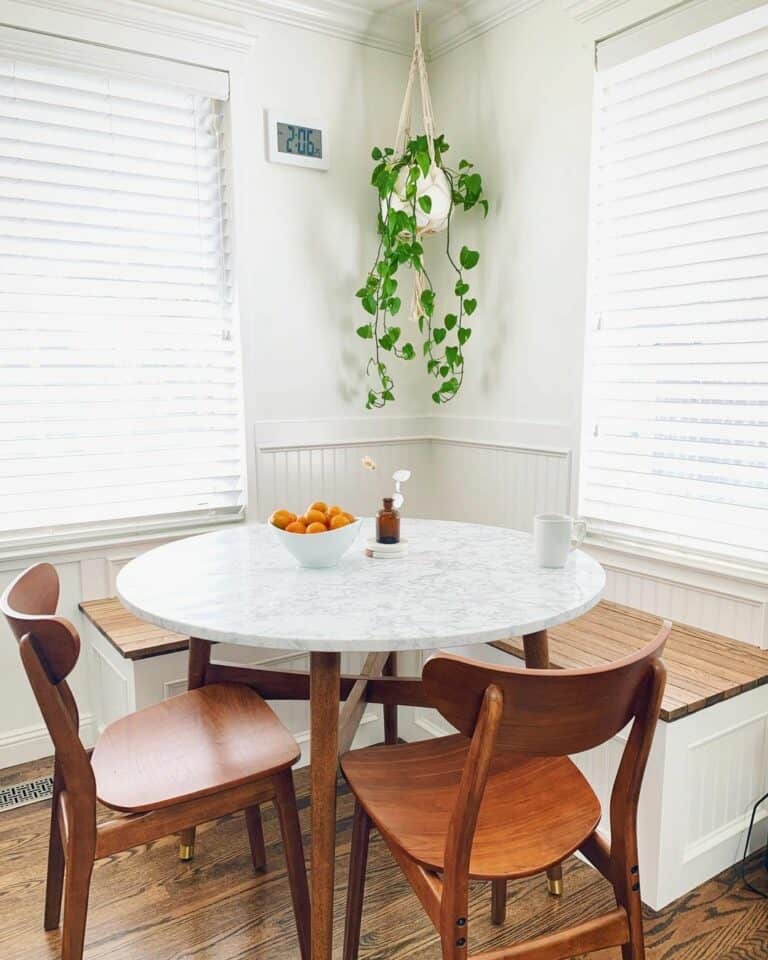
(579, 532)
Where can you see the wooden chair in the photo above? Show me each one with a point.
(501, 799)
(187, 760)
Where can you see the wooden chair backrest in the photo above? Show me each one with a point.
(49, 648)
(29, 605)
(545, 712)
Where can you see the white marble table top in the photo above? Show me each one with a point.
(460, 583)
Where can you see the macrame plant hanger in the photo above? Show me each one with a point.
(403, 136)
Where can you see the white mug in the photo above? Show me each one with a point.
(553, 533)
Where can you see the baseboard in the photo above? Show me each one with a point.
(33, 743)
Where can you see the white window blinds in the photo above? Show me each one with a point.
(676, 387)
(119, 368)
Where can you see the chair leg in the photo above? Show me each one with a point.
(288, 814)
(635, 949)
(358, 861)
(256, 837)
(555, 880)
(187, 844)
(54, 883)
(627, 889)
(498, 901)
(77, 885)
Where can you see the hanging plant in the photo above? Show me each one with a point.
(417, 196)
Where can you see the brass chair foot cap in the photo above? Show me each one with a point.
(186, 851)
(555, 887)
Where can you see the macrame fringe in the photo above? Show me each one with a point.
(418, 70)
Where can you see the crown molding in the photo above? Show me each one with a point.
(475, 18)
(333, 18)
(233, 24)
(142, 15)
(585, 10)
(385, 32)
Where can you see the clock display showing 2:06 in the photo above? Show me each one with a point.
(299, 141)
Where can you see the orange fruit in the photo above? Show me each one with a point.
(339, 521)
(314, 516)
(320, 505)
(349, 516)
(281, 518)
(317, 528)
(296, 527)
(334, 511)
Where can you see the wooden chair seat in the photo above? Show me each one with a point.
(409, 791)
(190, 746)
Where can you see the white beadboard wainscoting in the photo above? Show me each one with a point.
(293, 475)
(460, 479)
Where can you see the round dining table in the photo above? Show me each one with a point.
(459, 584)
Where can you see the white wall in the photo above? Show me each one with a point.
(516, 101)
(315, 232)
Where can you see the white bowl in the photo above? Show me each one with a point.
(319, 549)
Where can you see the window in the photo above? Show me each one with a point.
(119, 367)
(675, 447)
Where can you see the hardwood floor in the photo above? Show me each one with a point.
(147, 905)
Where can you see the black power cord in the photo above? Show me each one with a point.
(754, 889)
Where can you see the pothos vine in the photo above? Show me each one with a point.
(400, 245)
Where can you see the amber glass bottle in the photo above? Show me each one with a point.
(388, 523)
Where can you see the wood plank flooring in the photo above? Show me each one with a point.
(146, 905)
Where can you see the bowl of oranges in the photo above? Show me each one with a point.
(317, 538)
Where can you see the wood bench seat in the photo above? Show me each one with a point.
(133, 638)
(702, 668)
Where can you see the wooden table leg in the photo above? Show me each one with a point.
(324, 693)
(390, 709)
(536, 647)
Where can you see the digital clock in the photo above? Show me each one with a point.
(301, 143)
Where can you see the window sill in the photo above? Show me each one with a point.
(695, 563)
(43, 546)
